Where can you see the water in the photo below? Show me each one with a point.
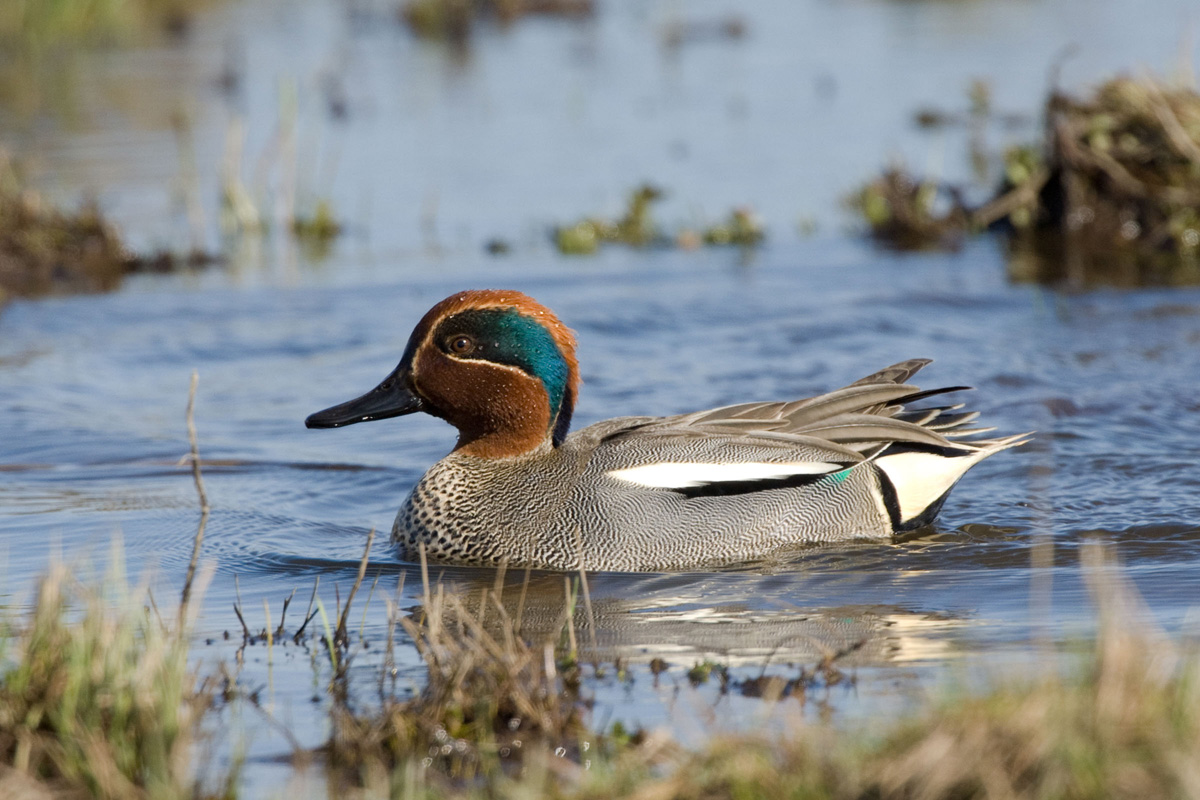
(545, 123)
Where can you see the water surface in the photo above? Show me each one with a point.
(544, 123)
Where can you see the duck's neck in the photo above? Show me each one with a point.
(513, 419)
(501, 444)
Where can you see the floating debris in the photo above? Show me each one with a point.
(497, 247)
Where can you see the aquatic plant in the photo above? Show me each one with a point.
(1120, 192)
(317, 231)
(97, 698)
(742, 228)
(45, 250)
(453, 20)
(637, 228)
(903, 212)
(1117, 718)
(247, 210)
(1111, 193)
(493, 698)
(42, 23)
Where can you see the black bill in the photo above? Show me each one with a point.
(392, 398)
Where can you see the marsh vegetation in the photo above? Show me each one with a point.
(1109, 196)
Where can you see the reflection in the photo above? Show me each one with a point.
(686, 619)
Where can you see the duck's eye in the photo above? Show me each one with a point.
(461, 345)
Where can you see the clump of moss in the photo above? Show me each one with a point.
(98, 700)
(453, 20)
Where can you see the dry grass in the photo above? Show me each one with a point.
(1124, 724)
(98, 699)
(45, 250)
(493, 701)
(1119, 720)
(45, 23)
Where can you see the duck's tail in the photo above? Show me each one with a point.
(917, 480)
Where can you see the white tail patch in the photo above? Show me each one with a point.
(921, 478)
(682, 475)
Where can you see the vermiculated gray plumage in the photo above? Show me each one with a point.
(562, 508)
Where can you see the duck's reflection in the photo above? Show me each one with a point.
(685, 619)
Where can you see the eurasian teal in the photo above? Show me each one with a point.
(647, 493)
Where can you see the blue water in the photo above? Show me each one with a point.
(540, 124)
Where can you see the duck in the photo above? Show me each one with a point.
(707, 489)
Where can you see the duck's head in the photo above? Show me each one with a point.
(497, 365)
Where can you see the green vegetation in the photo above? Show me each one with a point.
(98, 699)
(742, 228)
(903, 212)
(637, 228)
(43, 23)
(1123, 721)
(492, 702)
(99, 702)
(1109, 196)
(453, 20)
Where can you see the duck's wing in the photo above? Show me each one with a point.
(811, 437)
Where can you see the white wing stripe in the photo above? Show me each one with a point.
(681, 475)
